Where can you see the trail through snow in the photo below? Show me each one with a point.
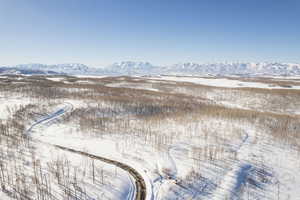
(235, 177)
(137, 188)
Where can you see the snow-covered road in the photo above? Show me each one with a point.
(138, 187)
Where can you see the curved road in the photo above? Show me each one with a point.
(140, 185)
(139, 181)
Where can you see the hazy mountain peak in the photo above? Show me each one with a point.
(146, 68)
(132, 65)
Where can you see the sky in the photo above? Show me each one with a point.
(101, 32)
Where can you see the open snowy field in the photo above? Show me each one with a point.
(234, 82)
(167, 137)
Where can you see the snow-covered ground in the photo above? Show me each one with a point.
(89, 76)
(112, 181)
(225, 181)
(222, 82)
(133, 86)
(56, 79)
(195, 154)
(9, 105)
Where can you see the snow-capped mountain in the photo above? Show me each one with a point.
(217, 69)
(16, 70)
(129, 65)
(132, 68)
(72, 68)
(236, 69)
(146, 68)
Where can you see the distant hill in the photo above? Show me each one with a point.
(146, 68)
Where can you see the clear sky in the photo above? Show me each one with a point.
(100, 32)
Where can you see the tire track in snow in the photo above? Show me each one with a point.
(131, 190)
(171, 174)
(50, 117)
(233, 178)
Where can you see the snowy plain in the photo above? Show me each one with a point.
(222, 82)
(192, 157)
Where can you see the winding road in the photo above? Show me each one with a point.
(140, 185)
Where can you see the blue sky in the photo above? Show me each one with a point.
(100, 32)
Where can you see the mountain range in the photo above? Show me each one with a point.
(146, 68)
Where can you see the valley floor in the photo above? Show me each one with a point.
(148, 138)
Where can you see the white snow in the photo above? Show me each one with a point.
(57, 79)
(183, 150)
(8, 105)
(90, 76)
(146, 68)
(222, 82)
(132, 86)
